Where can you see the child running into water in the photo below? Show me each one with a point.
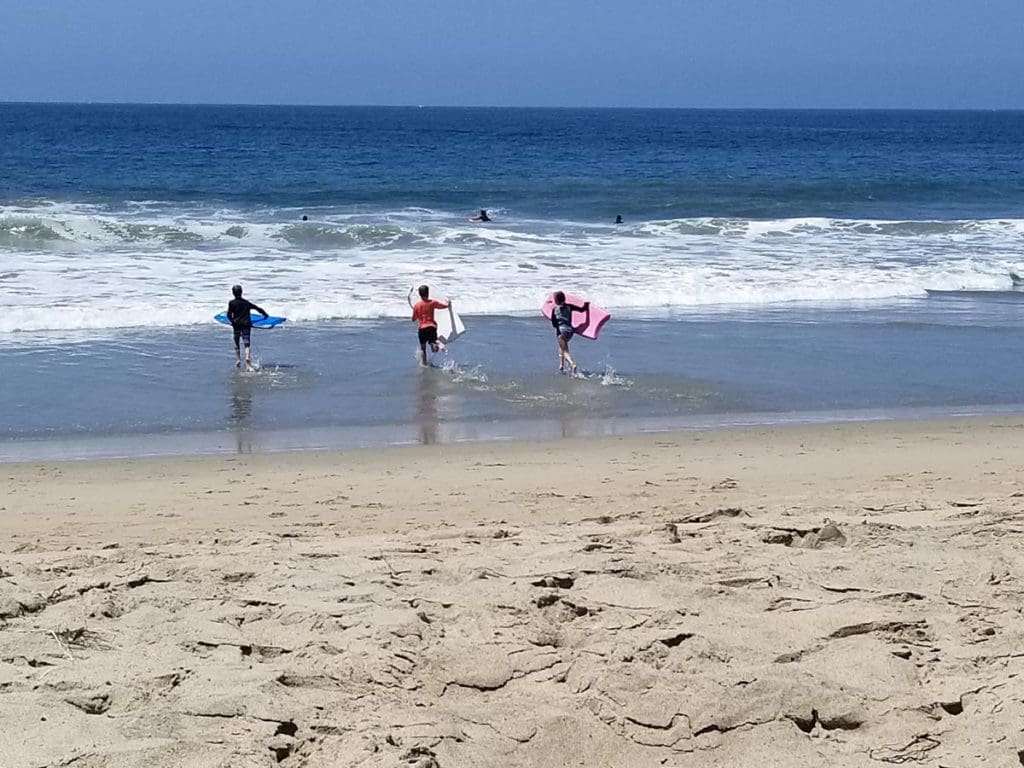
(423, 312)
(561, 319)
(240, 317)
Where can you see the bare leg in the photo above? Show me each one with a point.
(238, 357)
(248, 357)
(563, 354)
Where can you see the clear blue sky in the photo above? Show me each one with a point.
(687, 53)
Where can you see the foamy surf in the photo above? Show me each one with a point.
(86, 267)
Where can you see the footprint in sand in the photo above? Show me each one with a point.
(828, 534)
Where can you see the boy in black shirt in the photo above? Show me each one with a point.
(239, 315)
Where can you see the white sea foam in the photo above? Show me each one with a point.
(68, 266)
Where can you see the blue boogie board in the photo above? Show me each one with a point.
(258, 321)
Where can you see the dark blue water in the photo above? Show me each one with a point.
(571, 163)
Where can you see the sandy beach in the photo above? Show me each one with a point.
(844, 595)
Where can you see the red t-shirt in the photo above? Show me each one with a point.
(424, 312)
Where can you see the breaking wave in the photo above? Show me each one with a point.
(68, 266)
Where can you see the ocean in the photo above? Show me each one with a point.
(771, 266)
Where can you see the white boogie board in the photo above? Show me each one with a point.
(449, 324)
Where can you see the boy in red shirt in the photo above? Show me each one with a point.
(423, 313)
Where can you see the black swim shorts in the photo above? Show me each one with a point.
(244, 335)
(428, 335)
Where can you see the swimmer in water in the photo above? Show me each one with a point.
(481, 217)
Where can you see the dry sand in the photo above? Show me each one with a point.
(666, 600)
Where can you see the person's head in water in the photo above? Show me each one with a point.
(237, 291)
(618, 218)
(424, 292)
(305, 217)
(559, 298)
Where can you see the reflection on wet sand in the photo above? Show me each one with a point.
(426, 415)
(241, 410)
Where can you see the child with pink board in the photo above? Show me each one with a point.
(570, 315)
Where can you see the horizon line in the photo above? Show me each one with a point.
(57, 102)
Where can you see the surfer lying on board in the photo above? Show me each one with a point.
(240, 317)
(423, 313)
(482, 217)
(561, 319)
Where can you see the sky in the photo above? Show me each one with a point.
(916, 54)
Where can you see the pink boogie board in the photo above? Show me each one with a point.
(586, 324)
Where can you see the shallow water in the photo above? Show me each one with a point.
(934, 356)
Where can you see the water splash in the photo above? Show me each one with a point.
(610, 378)
(606, 377)
(461, 375)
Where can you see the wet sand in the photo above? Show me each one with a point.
(802, 596)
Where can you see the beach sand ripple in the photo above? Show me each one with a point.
(850, 597)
